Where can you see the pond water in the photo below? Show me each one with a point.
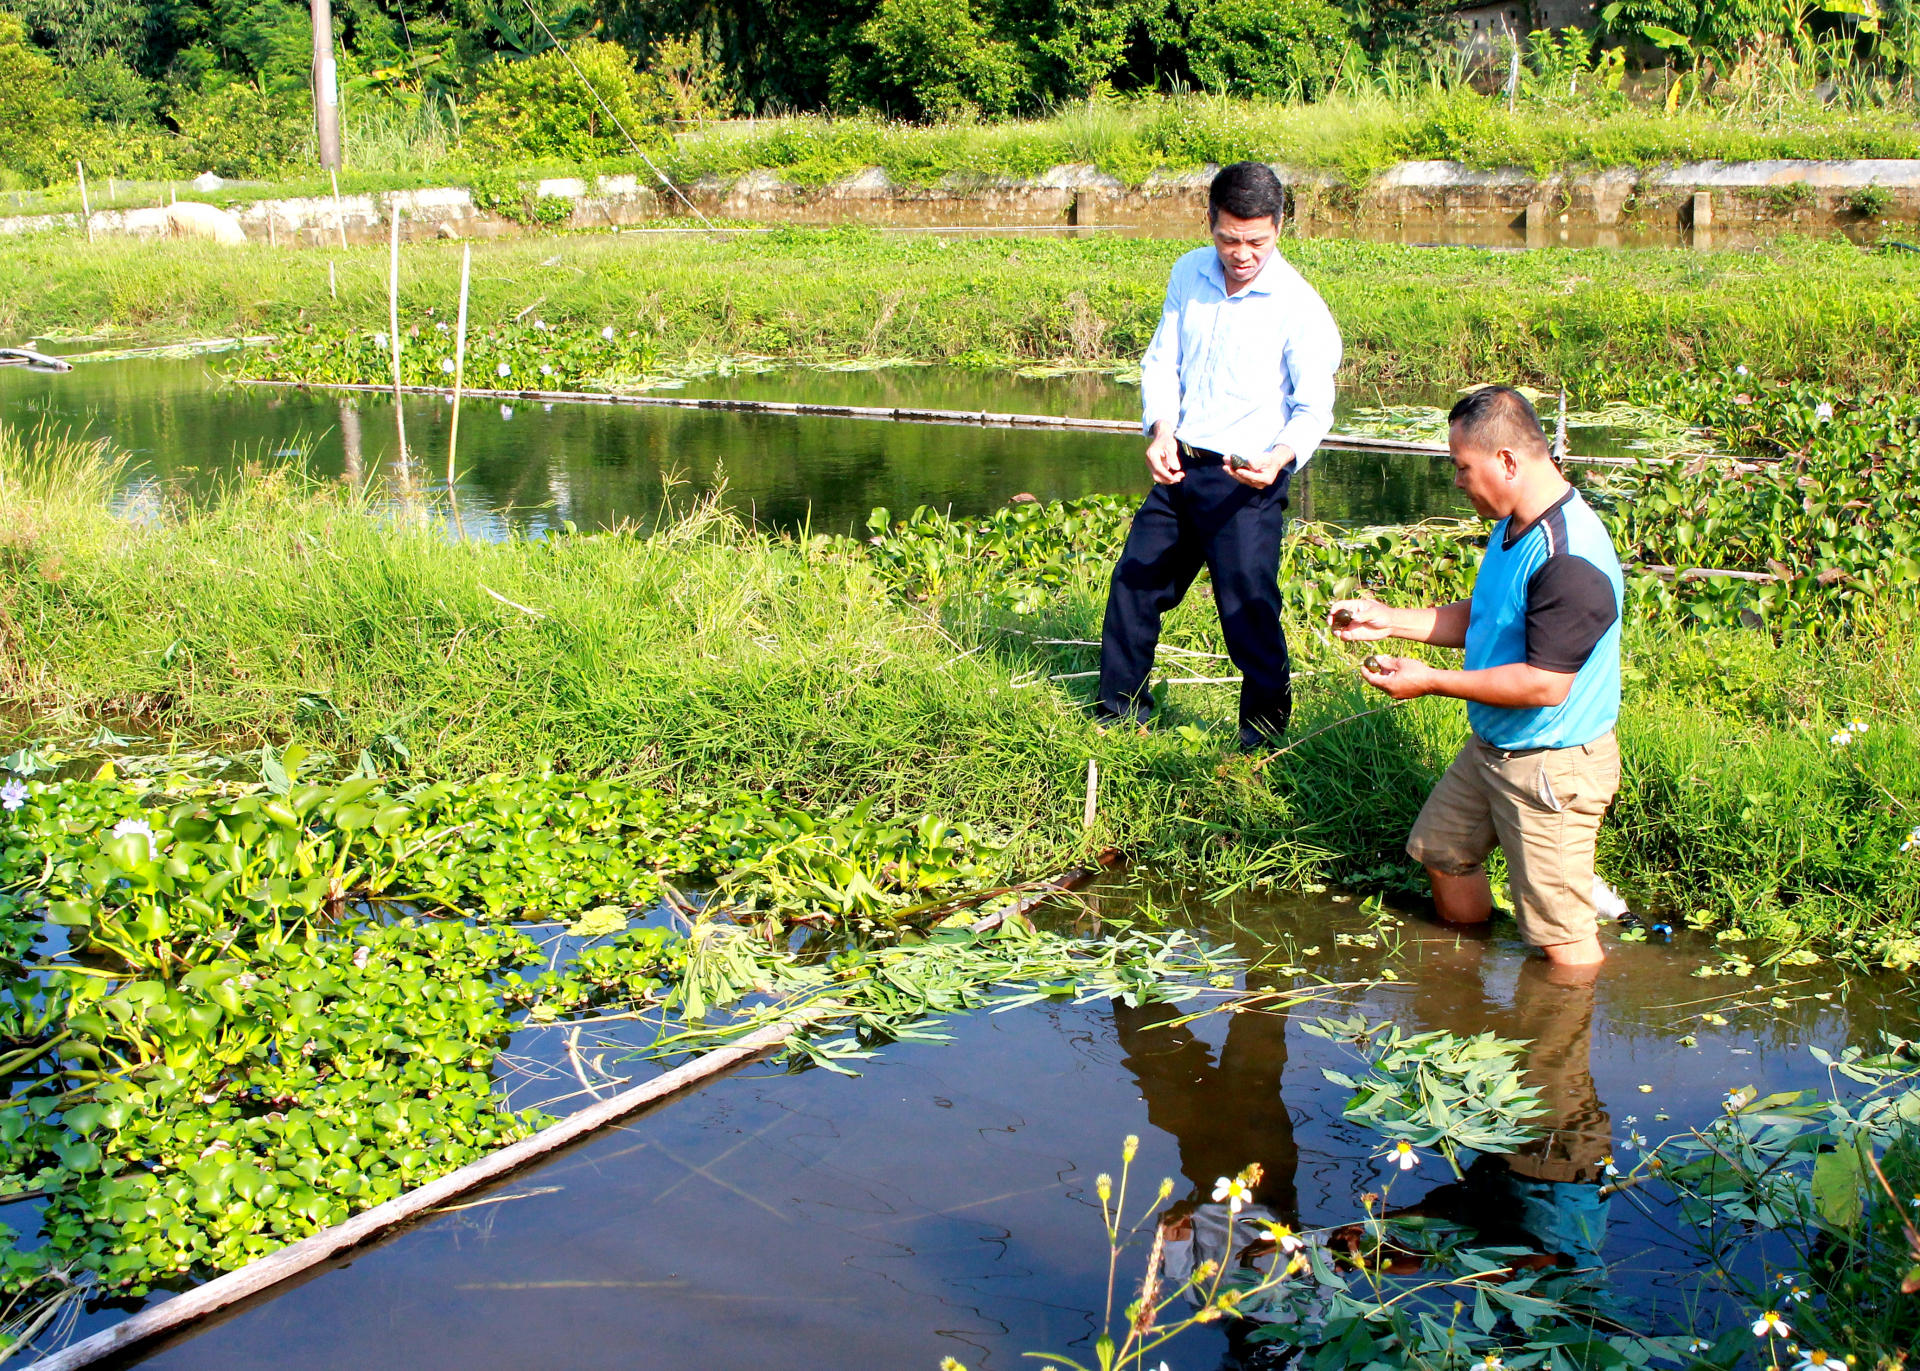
(942, 1203)
(527, 467)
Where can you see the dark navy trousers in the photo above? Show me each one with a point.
(1206, 519)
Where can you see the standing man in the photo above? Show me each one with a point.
(1236, 392)
(1541, 682)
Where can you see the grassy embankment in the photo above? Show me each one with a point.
(1408, 315)
(710, 657)
(1354, 135)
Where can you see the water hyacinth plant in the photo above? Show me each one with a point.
(513, 356)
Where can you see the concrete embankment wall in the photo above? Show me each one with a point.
(1706, 203)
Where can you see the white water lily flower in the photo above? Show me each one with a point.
(128, 827)
(446, 365)
(1235, 1192)
(13, 794)
(1404, 1157)
(1771, 1325)
(1823, 412)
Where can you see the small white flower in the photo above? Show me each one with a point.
(1841, 739)
(13, 794)
(607, 333)
(1857, 726)
(309, 1047)
(1607, 1166)
(1490, 1362)
(1284, 1238)
(446, 365)
(1913, 841)
(1822, 412)
(1770, 1325)
(1697, 1346)
(503, 371)
(1816, 1360)
(360, 955)
(1634, 1142)
(127, 827)
(441, 326)
(506, 411)
(539, 326)
(1404, 1157)
(246, 980)
(547, 408)
(546, 369)
(1914, 1203)
(380, 341)
(1234, 1191)
(1740, 370)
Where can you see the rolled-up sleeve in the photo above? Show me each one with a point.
(1160, 368)
(1311, 357)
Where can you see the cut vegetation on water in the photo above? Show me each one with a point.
(406, 748)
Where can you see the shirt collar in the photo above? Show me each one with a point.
(1263, 284)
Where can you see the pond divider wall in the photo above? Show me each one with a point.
(1726, 204)
(122, 1341)
(1358, 442)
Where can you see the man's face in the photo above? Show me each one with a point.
(1244, 246)
(1489, 477)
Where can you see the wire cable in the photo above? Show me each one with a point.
(610, 114)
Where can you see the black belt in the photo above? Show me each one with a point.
(1200, 456)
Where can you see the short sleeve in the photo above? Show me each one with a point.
(1570, 607)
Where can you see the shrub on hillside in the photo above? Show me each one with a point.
(1264, 47)
(538, 107)
(36, 116)
(237, 131)
(935, 59)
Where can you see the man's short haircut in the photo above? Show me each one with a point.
(1247, 190)
(1495, 417)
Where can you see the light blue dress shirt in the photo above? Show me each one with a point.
(1241, 373)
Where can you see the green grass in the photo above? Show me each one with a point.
(1433, 316)
(709, 657)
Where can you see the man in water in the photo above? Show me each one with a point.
(1236, 393)
(1541, 682)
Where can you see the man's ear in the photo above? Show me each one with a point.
(1511, 461)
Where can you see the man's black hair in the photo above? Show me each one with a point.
(1247, 190)
(1495, 417)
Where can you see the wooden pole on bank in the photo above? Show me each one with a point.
(459, 380)
(86, 211)
(393, 325)
(288, 1262)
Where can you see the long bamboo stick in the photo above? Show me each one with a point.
(289, 1262)
(459, 380)
(86, 210)
(393, 326)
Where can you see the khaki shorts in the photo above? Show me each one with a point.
(1541, 807)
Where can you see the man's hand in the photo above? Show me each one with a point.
(1262, 471)
(1406, 678)
(1163, 456)
(1360, 621)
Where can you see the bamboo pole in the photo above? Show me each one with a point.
(393, 326)
(459, 380)
(86, 211)
(1357, 442)
(289, 1262)
(339, 215)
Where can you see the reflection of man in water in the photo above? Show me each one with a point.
(1226, 1115)
(1546, 1195)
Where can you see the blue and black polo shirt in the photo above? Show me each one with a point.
(1549, 594)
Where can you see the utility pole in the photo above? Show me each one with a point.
(326, 86)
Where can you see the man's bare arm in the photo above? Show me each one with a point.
(1513, 686)
(1367, 621)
